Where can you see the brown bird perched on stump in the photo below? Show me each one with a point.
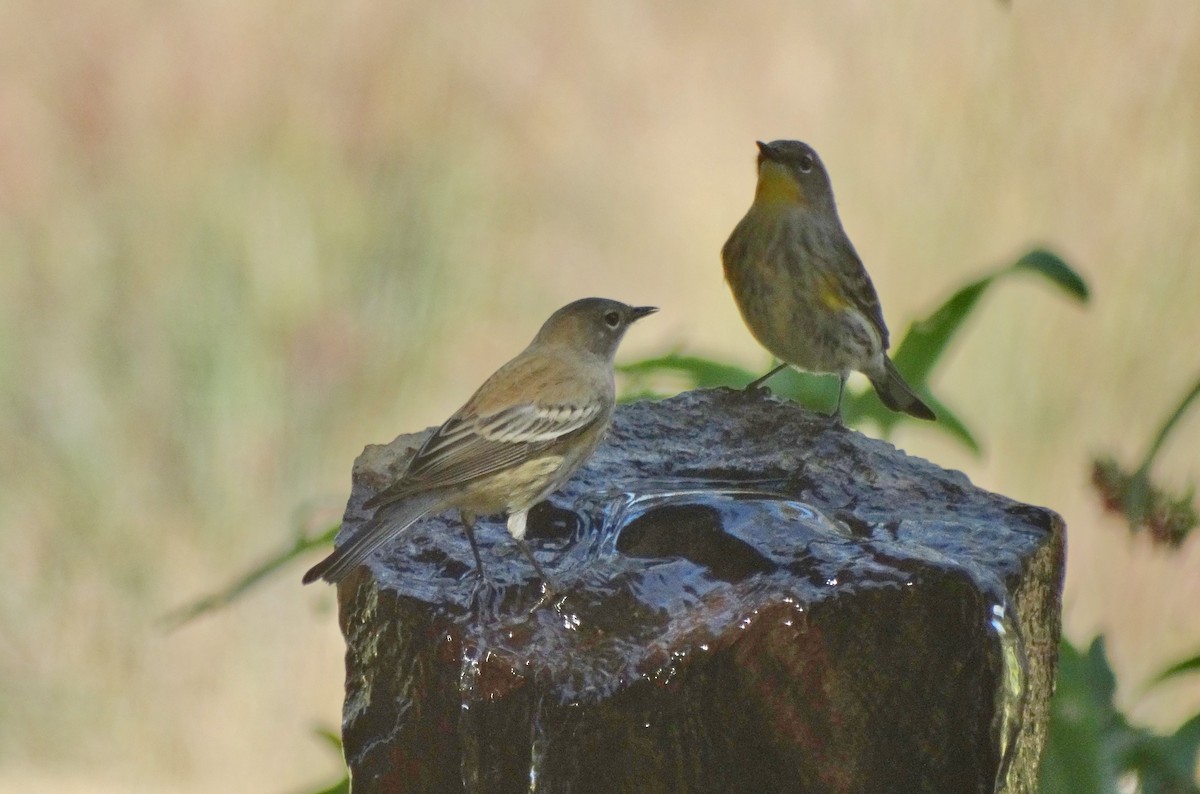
(799, 284)
(520, 436)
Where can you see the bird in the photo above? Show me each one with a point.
(800, 286)
(523, 433)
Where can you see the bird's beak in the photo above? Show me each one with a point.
(638, 312)
(767, 152)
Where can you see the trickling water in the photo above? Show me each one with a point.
(650, 584)
(706, 634)
(1010, 695)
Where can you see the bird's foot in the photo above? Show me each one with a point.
(551, 596)
(757, 389)
(759, 384)
(486, 595)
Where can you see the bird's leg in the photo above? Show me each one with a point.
(529, 556)
(468, 522)
(516, 528)
(836, 416)
(760, 381)
(485, 595)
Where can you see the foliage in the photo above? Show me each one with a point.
(332, 739)
(1092, 749)
(300, 546)
(915, 357)
(1167, 518)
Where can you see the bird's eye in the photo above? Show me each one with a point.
(806, 163)
(612, 319)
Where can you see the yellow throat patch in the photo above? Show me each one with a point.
(776, 184)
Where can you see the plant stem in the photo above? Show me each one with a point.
(1166, 430)
(1137, 503)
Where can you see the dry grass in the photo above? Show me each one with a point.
(240, 241)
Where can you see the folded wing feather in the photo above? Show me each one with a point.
(469, 446)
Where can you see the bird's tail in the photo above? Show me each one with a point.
(388, 522)
(898, 395)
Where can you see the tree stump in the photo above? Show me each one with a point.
(750, 598)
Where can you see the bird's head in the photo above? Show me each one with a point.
(594, 325)
(791, 172)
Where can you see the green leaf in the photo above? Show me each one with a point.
(634, 395)
(866, 407)
(1090, 746)
(330, 736)
(704, 373)
(815, 392)
(334, 740)
(1180, 753)
(1167, 764)
(927, 339)
(341, 787)
(177, 617)
(1048, 264)
(922, 347)
(1078, 756)
(949, 423)
(1187, 666)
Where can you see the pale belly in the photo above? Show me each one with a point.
(803, 333)
(516, 489)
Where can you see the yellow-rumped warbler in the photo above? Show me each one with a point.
(800, 286)
(520, 436)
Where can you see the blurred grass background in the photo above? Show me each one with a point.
(238, 241)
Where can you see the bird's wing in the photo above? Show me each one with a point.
(468, 445)
(855, 287)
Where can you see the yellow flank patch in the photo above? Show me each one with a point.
(831, 296)
(775, 183)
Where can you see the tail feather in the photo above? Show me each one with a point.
(898, 395)
(387, 523)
